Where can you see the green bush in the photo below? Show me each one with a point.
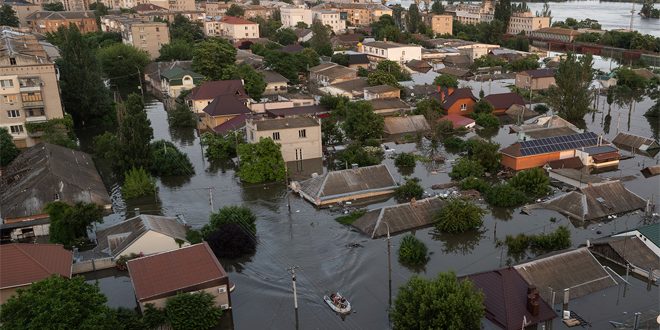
(138, 183)
(533, 182)
(196, 310)
(464, 168)
(486, 153)
(348, 219)
(453, 144)
(181, 116)
(168, 160)
(221, 147)
(504, 195)
(69, 224)
(240, 215)
(410, 189)
(459, 216)
(8, 150)
(405, 159)
(356, 153)
(541, 243)
(487, 120)
(541, 109)
(475, 183)
(412, 251)
(261, 162)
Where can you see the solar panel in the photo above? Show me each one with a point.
(558, 143)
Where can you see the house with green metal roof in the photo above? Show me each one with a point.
(649, 235)
(177, 79)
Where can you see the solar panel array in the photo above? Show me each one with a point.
(558, 143)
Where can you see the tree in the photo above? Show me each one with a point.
(405, 159)
(80, 71)
(483, 106)
(135, 134)
(464, 168)
(393, 68)
(123, 64)
(221, 147)
(176, 50)
(410, 189)
(181, 116)
(70, 223)
(486, 153)
(545, 12)
(231, 241)
(446, 81)
(8, 16)
(413, 19)
(386, 28)
(212, 56)
(153, 318)
(285, 36)
(437, 7)
(267, 28)
(571, 97)
(302, 25)
(235, 10)
(486, 120)
(362, 123)
(356, 153)
(190, 310)
(57, 303)
(412, 251)
(533, 182)
(138, 183)
(503, 13)
(505, 195)
(440, 303)
(8, 150)
(648, 11)
(261, 162)
(254, 80)
(182, 29)
(320, 42)
(378, 77)
(168, 160)
(459, 216)
(53, 6)
(233, 214)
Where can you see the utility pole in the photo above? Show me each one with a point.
(292, 269)
(211, 198)
(140, 78)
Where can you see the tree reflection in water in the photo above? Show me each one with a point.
(462, 243)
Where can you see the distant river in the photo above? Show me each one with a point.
(611, 15)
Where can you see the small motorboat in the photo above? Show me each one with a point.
(338, 303)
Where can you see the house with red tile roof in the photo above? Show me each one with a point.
(190, 269)
(22, 264)
(457, 101)
(502, 102)
(459, 121)
(203, 95)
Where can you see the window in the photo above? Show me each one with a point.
(463, 107)
(16, 129)
(302, 133)
(13, 113)
(246, 27)
(7, 83)
(34, 112)
(157, 29)
(276, 136)
(31, 97)
(12, 61)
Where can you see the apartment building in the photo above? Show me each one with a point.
(442, 24)
(174, 5)
(300, 137)
(292, 15)
(215, 8)
(76, 5)
(357, 14)
(253, 11)
(484, 12)
(139, 32)
(387, 50)
(233, 28)
(29, 91)
(23, 9)
(331, 18)
(49, 21)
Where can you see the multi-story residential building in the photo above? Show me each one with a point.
(442, 24)
(76, 5)
(292, 15)
(300, 137)
(23, 9)
(174, 5)
(331, 18)
(387, 50)
(49, 21)
(357, 14)
(233, 28)
(29, 92)
(139, 32)
(253, 11)
(215, 8)
(475, 14)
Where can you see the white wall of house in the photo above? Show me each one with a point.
(291, 16)
(152, 242)
(296, 146)
(221, 298)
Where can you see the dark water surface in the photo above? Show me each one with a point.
(323, 249)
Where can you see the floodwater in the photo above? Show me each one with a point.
(333, 257)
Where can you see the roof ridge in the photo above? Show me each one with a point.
(33, 259)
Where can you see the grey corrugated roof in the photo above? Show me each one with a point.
(599, 150)
(635, 141)
(387, 104)
(399, 218)
(44, 172)
(596, 201)
(115, 239)
(273, 77)
(406, 124)
(578, 175)
(348, 182)
(576, 269)
(631, 250)
(381, 89)
(269, 124)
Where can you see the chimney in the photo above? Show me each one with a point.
(533, 305)
(413, 202)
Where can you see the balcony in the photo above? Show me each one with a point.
(33, 104)
(36, 119)
(30, 84)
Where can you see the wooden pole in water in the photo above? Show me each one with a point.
(292, 269)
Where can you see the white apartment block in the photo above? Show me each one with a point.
(233, 28)
(386, 50)
(292, 15)
(330, 18)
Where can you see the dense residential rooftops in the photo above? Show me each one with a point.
(597, 150)
(399, 218)
(60, 15)
(14, 43)
(628, 250)
(543, 133)
(380, 89)
(236, 20)
(358, 59)
(146, 7)
(45, 173)
(270, 124)
(166, 273)
(504, 100)
(333, 70)
(292, 49)
(211, 89)
(506, 299)
(539, 73)
(576, 175)
(115, 239)
(388, 104)
(387, 44)
(544, 122)
(22, 264)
